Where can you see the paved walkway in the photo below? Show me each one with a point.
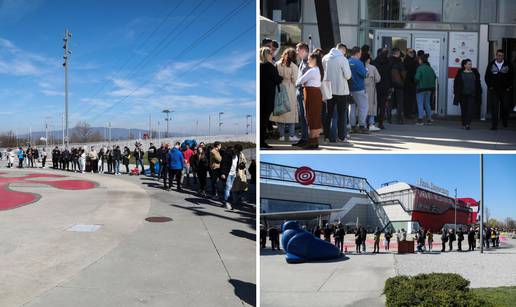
(442, 135)
(205, 256)
(358, 279)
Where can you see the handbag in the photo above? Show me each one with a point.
(281, 101)
(326, 90)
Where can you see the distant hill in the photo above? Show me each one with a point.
(116, 133)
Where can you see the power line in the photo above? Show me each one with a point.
(138, 66)
(190, 47)
(163, 21)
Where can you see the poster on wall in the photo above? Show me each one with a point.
(462, 45)
(432, 46)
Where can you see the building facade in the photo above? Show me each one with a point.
(449, 30)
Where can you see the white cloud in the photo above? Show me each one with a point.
(126, 87)
(49, 92)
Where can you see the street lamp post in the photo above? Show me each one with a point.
(167, 119)
(481, 203)
(67, 52)
(220, 121)
(455, 209)
(249, 125)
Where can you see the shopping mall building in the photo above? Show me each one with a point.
(315, 197)
(449, 30)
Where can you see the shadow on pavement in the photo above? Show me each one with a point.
(269, 252)
(245, 220)
(246, 291)
(243, 234)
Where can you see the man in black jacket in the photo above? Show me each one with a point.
(499, 77)
(55, 157)
(383, 88)
(398, 75)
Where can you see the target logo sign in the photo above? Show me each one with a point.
(305, 175)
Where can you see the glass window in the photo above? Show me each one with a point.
(422, 10)
(290, 35)
(281, 10)
(276, 205)
(507, 11)
(488, 11)
(383, 9)
(461, 10)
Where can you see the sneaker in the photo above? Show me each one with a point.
(281, 139)
(228, 205)
(353, 129)
(300, 143)
(420, 122)
(294, 139)
(374, 128)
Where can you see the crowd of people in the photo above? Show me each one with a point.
(185, 164)
(346, 91)
(423, 238)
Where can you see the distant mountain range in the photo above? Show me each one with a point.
(116, 133)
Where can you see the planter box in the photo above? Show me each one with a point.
(406, 247)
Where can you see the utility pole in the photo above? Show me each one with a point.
(30, 135)
(455, 209)
(220, 121)
(209, 125)
(248, 125)
(159, 134)
(481, 203)
(46, 131)
(62, 128)
(196, 127)
(167, 119)
(67, 52)
(150, 127)
(109, 133)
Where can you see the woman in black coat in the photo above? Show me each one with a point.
(269, 80)
(467, 91)
(383, 88)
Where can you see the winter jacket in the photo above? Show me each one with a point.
(175, 159)
(358, 74)
(458, 85)
(337, 71)
(425, 78)
(398, 72)
(499, 80)
(383, 65)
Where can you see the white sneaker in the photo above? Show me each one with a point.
(374, 128)
(294, 139)
(282, 139)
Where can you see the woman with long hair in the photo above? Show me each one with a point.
(467, 91)
(311, 82)
(288, 70)
(269, 80)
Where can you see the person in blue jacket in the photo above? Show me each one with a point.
(21, 156)
(357, 88)
(175, 167)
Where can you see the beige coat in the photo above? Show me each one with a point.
(371, 79)
(289, 75)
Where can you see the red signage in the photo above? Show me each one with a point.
(305, 175)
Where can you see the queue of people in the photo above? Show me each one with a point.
(186, 164)
(346, 91)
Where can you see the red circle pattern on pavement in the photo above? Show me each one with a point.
(10, 199)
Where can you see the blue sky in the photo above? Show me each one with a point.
(162, 70)
(447, 171)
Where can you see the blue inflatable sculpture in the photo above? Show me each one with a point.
(302, 246)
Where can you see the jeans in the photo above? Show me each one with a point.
(336, 119)
(362, 106)
(229, 185)
(302, 118)
(370, 120)
(398, 98)
(174, 174)
(117, 167)
(423, 101)
(214, 178)
(140, 162)
(187, 169)
(291, 129)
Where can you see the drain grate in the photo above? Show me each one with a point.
(158, 219)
